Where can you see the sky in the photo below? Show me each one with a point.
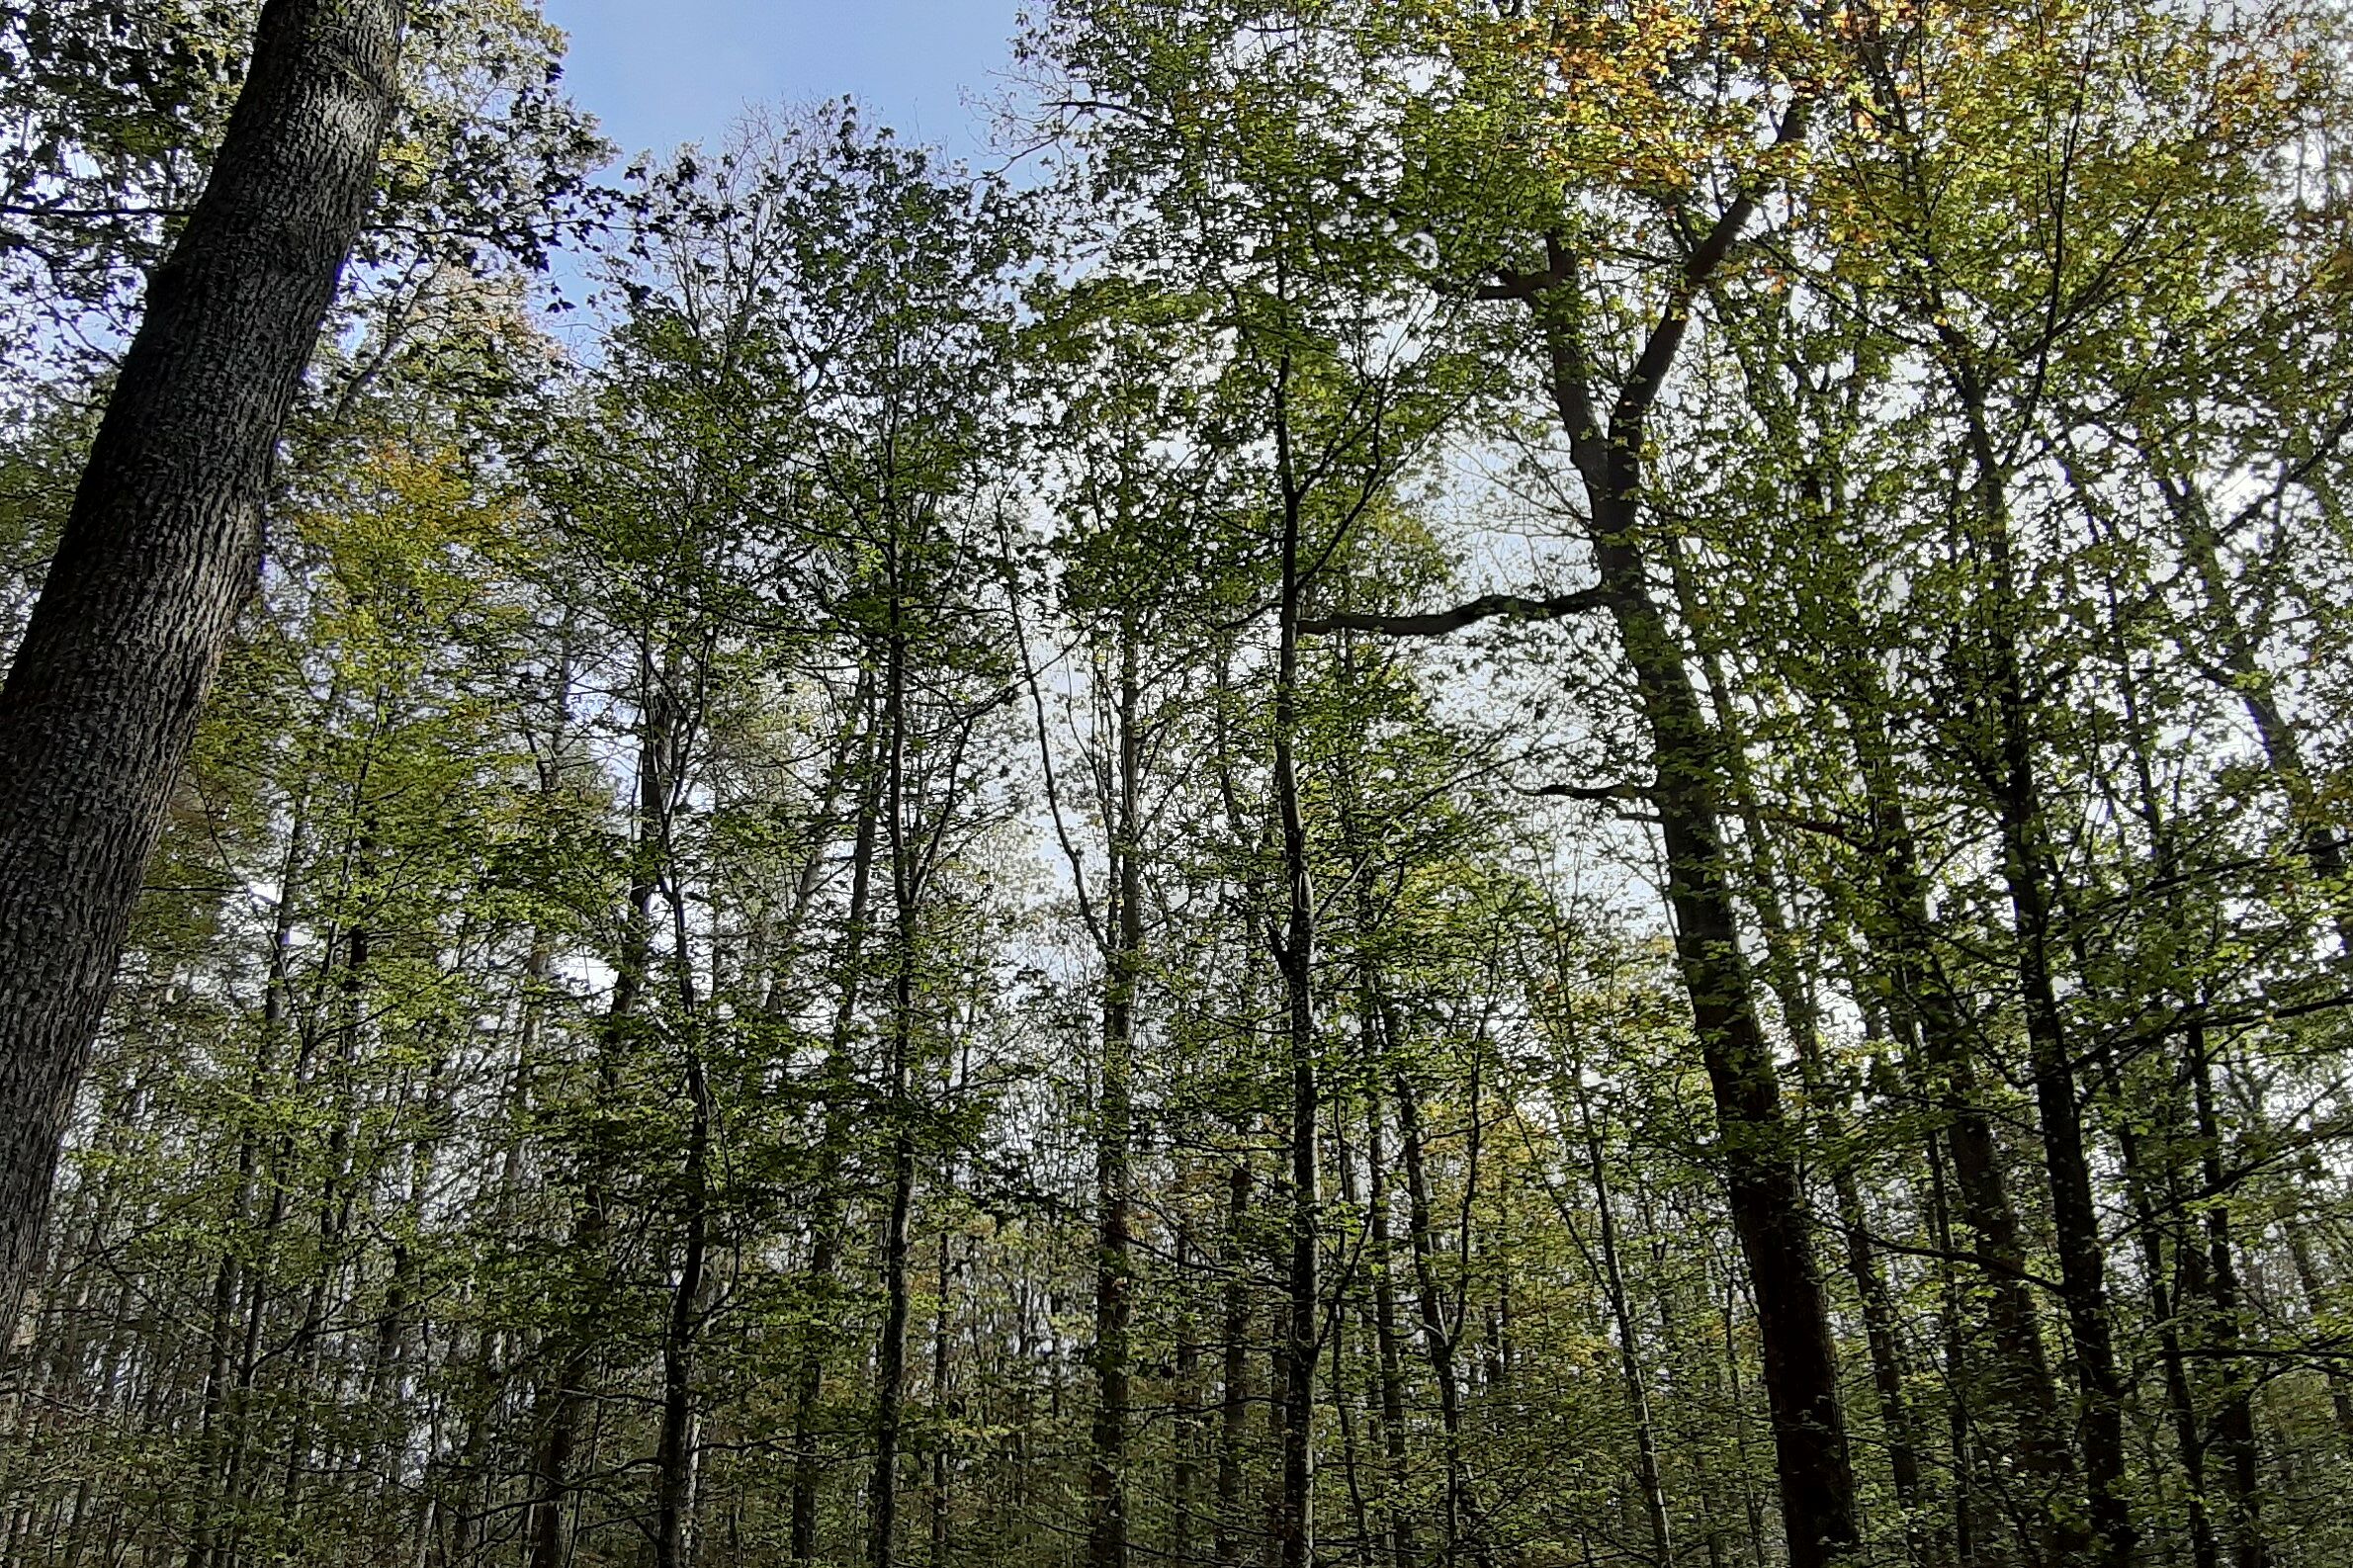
(659, 72)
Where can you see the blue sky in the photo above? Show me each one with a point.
(659, 72)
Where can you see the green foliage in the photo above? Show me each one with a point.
(730, 916)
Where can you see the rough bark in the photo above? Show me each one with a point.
(160, 553)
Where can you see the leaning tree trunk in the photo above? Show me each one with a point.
(1757, 1136)
(1759, 1139)
(160, 553)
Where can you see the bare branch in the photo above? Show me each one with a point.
(1438, 623)
(1584, 792)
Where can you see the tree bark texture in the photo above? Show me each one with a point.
(160, 553)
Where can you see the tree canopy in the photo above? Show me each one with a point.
(1476, 784)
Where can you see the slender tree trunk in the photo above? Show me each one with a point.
(826, 1222)
(943, 1409)
(1440, 1331)
(1925, 1014)
(2257, 690)
(2164, 1311)
(1234, 1411)
(2066, 1158)
(675, 1456)
(220, 1386)
(1106, 1474)
(890, 1394)
(1790, 988)
(2235, 1417)
(1184, 1472)
(1630, 1356)
(1767, 1203)
(159, 554)
(1295, 955)
(2308, 1283)
(2209, 1264)
(1398, 1515)
(566, 1396)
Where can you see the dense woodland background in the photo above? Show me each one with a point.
(1498, 785)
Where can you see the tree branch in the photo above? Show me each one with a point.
(1584, 792)
(1438, 623)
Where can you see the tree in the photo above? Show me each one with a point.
(160, 553)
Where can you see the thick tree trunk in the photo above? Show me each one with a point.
(159, 554)
(1768, 1201)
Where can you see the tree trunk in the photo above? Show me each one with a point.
(1817, 1481)
(1924, 1013)
(1791, 989)
(1107, 1473)
(674, 1458)
(890, 1394)
(825, 1224)
(943, 1409)
(2066, 1158)
(2234, 1418)
(2258, 693)
(159, 554)
(1294, 954)
(1629, 1353)
(1440, 1330)
(1184, 1477)
(1399, 1519)
(1234, 1393)
(565, 1395)
(1816, 1473)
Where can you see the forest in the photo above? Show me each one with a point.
(1454, 784)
